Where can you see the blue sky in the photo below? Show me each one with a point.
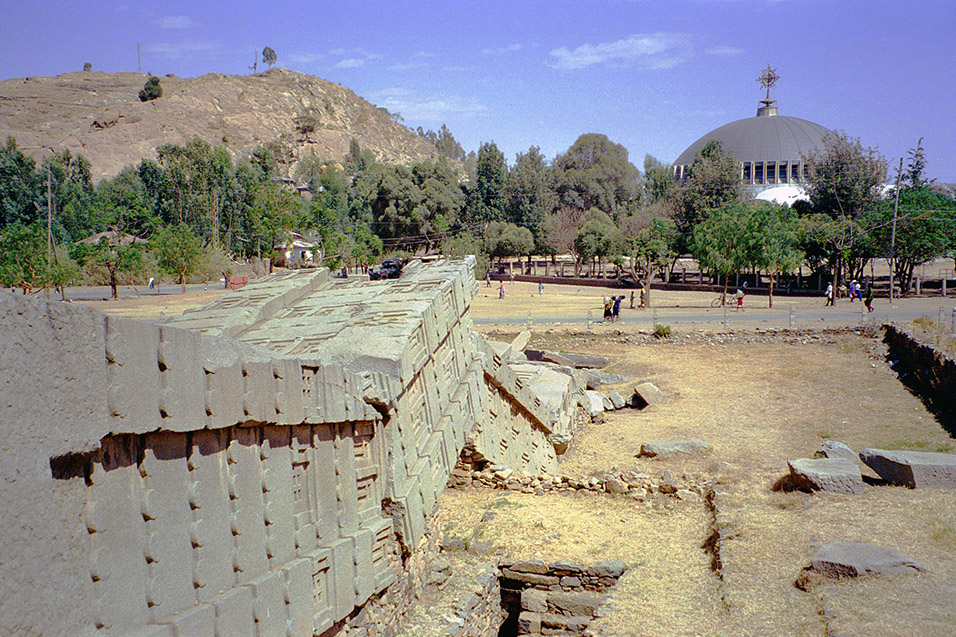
(651, 75)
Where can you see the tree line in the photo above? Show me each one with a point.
(191, 210)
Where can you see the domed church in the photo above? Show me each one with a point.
(770, 147)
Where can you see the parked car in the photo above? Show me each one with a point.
(390, 269)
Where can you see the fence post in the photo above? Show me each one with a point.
(944, 286)
(529, 319)
(791, 317)
(952, 323)
(726, 326)
(590, 329)
(917, 286)
(654, 317)
(939, 320)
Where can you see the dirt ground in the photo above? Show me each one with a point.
(757, 406)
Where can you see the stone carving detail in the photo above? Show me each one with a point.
(264, 464)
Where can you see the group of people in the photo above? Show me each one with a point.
(612, 308)
(854, 292)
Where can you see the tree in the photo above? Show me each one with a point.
(486, 200)
(658, 180)
(87, 67)
(595, 173)
(598, 237)
(23, 262)
(721, 243)
(464, 244)
(20, 186)
(115, 252)
(649, 247)
(503, 239)
(269, 56)
(178, 250)
(714, 181)
(774, 235)
(844, 181)
(151, 90)
(529, 194)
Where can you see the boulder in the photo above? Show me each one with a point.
(854, 559)
(914, 469)
(646, 394)
(835, 449)
(617, 401)
(614, 485)
(835, 475)
(594, 402)
(654, 448)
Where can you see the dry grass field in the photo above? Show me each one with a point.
(757, 406)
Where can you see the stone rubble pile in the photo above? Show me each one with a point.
(638, 486)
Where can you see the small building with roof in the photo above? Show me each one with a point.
(771, 149)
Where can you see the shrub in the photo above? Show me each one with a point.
(662, 331)
(151, 90)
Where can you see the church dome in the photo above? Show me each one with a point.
(765, 138)
(771, 149)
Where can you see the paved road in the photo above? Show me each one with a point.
(824, 317)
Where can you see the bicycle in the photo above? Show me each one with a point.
(726, 299)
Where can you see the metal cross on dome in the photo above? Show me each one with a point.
(768, 78)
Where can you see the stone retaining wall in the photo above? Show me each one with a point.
(927, 371)
(557, 598)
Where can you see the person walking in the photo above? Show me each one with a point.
(608, 309)
(540, 288)
(868, 300)
(829, 295)
(617, 307)
(501, 290)
(632, 299)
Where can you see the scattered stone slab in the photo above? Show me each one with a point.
(836, 449)
(586, 361)
(617, 401)
(594, 402)
(834, 475)
(646, 394)
(655, 448)
(520, 342)
(914, 469)
(608, 405)
(855, 559)
(557, 359)
(595, 378)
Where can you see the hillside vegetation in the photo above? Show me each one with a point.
(100, 116)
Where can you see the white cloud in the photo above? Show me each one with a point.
(180, 50)
(501, 50)
(304, 58)
(354, 58)
(175, 22)
(428, 109)
(408, 66)
(660, 50)
(724, 50)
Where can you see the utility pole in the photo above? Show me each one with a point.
(896, 206)
(49, 227)
(139, 59)
(255, 60)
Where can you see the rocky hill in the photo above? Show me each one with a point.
(100, 116)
